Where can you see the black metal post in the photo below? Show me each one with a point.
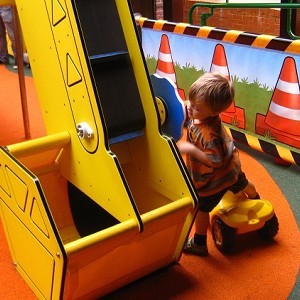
(283, 20)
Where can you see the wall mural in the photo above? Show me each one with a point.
(267, 100)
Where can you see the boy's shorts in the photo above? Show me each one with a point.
(208, 203)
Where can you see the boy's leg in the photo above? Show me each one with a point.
(250, 191)
(197, 244)
(244, 186)
(202, 222)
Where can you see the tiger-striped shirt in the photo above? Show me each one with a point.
(210, 136)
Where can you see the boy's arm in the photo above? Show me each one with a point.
(189, 148)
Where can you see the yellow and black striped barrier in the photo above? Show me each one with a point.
(229, 36)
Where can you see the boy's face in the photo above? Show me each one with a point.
(200, 111)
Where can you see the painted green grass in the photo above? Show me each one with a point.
(254, 98)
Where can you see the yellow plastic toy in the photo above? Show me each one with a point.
(104, 198)
(237, 215)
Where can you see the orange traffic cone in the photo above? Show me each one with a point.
(232, 115)
(219, 65)
(165, 67)
(284, 109)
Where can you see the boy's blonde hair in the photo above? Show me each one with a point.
(214, 90)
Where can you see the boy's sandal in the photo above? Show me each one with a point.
(191, 247)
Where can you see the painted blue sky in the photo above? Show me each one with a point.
(245, 62)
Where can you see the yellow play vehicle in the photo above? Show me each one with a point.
(237, 215)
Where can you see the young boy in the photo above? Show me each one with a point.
(212, 159)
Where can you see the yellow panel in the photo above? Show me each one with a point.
(4, 186)
(262, 41)
(253, 142)
(285, 154)
(231, 36)
(62, 93)
(294, 47)
(58, 12)
(30, 246)
(158, 25)
(141, 21)
(109, 251)
(20, 191)
(60, 55)
(204, 31)
(180, 27)
(37, 217)
(73, 74)
(30, 256)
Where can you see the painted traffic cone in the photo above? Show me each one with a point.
(219, 65)
(284, 109)
(165, 67)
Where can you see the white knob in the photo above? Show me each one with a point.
(84, 131)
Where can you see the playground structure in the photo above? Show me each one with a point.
(104, 198)
(78, 223)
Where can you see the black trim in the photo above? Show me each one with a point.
(239, 136)
(269, 148)
(296, 157)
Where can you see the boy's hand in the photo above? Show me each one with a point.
(185, 147)
(189, 148)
